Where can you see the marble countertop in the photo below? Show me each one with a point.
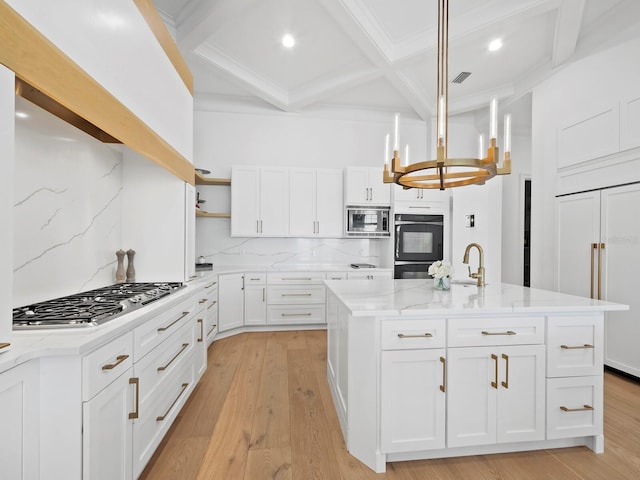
(321, 267)
(418, 297)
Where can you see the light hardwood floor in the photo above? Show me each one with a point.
(263, 410)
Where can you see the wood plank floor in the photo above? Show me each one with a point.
(263, 410)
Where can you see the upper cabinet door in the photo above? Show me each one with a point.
(302, 202)
(274, 202)
(357, 185)
(329, 203)
(380, 191)
(245, 197)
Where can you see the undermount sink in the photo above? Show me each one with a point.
(466, 283)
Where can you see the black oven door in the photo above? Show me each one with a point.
(418, 241)
(411, 270)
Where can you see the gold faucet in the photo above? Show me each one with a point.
(479, 275)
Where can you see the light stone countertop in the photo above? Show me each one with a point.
(404, 298)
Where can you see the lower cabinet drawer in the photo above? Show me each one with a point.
(574, 345)
(411, 334)
(479, 332)
(104, 365)
(574, 406)
(295, 314)
(295, 294)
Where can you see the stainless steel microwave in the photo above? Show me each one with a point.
(367, 221)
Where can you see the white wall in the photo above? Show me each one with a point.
(268, 138)
(605, 78)
(66, 208)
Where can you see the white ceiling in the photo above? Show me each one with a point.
(381, 54)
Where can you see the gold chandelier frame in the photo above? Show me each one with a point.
(445, 172)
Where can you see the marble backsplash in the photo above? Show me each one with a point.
(214, 242)
(67, 207)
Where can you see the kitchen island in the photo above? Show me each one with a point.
(418, 373)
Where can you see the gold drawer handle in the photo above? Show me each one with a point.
(293, 278)
(184, 314)
(508, 332)
(567, 347)
(505, 382)
(162, 369)
(212, 304)
(162, 417)
(119, 360)
(255, 279)
(136, 382)
(211, 285)
(203, 300)
(581, 409)
(296, 314)
(296, 294)
(443, 387)
(419, 335)
(201, 322)
(4, 345)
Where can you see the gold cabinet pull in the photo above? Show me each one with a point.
(162, 369)
(418, 335)
(505, 384)
(4, 345)
(211, 285)
(494, 384)
(594, 246)
(202, 300)
(600, 249)
(135, 381)
(162, 329)
(300, 278)
(162, 417)
(296, 314)
(201, 322)
(508, 332)
(296, 294)
(581, 409)
(574, 347)
(212, 304)
(444, 374)
(119, 360)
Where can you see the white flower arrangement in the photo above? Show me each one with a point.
(440, 269)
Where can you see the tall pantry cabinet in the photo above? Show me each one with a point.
(598, 254)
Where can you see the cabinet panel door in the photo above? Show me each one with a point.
(245, 196)
(357, 185)
(274, 202)
(412, 402)
(302, 202)
(329, 203)
(380, 193)
(107, 438)
(189, 232)
(230, 301)
(578, 228)
(471, 399)
(521, 394)
(255, 305)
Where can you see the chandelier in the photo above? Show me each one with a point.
(445, 172)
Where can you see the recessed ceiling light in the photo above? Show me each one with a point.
(22, 115)
(288, 40)
(495, 45)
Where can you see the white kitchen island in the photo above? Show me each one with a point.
(418, 373)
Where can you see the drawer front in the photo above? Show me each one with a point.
(160, 412)
(574, 406)
(296, 294)
(162, 361)
(151, 333)
(412, 334)
(472, 332)
(296, 278)
(574, 346)
(336, 275)
(370, 275)
(295, 315)
(211, 326)
(255, 278)
(104, 365)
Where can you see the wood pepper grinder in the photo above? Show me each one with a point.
(131, 271)
(120, 277)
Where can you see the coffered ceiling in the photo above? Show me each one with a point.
(381, 54)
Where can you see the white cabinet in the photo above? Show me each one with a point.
(255, 299)
(495, 395)
(210, 297)
(259, 202)
(189, 232)
(364, 186)
(231, 301)
(374, 274)
(7, 140)
(597, 256)
(413, 385)
(316, 204)
(420, 200)
(19, 417)
(296, 298)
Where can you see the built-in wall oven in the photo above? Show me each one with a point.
(418, 242)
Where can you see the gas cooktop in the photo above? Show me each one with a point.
(91, 308)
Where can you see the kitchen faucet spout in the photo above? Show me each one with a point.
(479, 275)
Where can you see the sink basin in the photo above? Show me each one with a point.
(466, 283)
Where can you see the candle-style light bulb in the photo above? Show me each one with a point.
(507, 133)
(481, 151)
(442, 116)
(406, 155)
(396, 134)
(493, 118)
(386, 150)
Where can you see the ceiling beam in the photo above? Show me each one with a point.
(568, 23)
